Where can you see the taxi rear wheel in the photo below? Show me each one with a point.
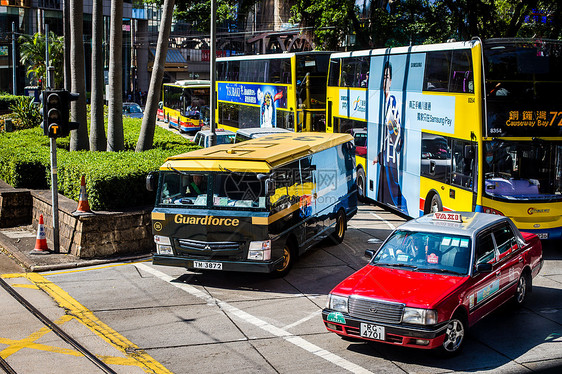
(455, 335)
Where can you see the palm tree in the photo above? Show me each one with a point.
(146, 136)
(79, 137)
(97, 129)
(32, 54)
(115, 137)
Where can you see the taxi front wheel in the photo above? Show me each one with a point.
(454, 336)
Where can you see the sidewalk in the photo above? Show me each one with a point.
(20, 241)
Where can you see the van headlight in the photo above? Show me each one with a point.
(163, 245)
(419, 316)
(338, 303)
(260, 250)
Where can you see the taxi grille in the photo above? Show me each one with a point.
(375, 310)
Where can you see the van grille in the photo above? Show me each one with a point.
(375, 310)
(196, 245)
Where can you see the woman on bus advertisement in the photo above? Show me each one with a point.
(389, 190)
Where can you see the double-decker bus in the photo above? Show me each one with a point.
(471, 126)
(286, 90)
(185, 104)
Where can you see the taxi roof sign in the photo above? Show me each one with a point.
(448, 216)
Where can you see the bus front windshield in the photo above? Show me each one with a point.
(211, 190)
(523, 170)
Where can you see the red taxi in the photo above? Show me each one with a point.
(433, 278)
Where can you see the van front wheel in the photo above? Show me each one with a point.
(287, 263)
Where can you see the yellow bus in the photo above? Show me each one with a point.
(286, 90)
(185, 104)
(254, 206)
(468, 126)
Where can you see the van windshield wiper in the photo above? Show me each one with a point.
(176, 170)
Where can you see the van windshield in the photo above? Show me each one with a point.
(211, 190)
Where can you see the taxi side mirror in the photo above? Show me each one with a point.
(369, 253)
(484, 267)
(152, 181)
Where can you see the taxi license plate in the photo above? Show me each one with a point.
(372, 331)
(207, 265)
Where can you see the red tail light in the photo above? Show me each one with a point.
(489, 210)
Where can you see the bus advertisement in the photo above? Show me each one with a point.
(285, 90)
(253, 206)
(467, 126)
(185, 104)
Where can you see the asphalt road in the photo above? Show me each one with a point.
(143, 318)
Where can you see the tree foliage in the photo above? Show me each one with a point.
(384, 23)
(32, 55)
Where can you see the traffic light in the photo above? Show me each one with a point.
(56, 104)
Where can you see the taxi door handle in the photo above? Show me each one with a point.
(498, 273)
(521, 259)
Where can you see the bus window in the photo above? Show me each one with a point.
(334, 72)
(435, 157)
(461, 70)
(462, 174)
(437, 71)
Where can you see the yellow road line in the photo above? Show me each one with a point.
(86, 317)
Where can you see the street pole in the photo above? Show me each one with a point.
(53, 142)
(213, 137)
(14, 86)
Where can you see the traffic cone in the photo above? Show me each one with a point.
(83, 205)
(41, 247)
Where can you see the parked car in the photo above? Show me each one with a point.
(360, 141)
(202, 138)
(257, 132)
(433, 278)
(132, 110)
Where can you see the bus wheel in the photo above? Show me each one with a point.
(168, 120)
(435, 204)
(288, 260)
(337, 236)
(361, 184)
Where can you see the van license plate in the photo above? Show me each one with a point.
(207, 265)
(372, 331)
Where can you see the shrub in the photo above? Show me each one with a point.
(114, 180)
(25, 113)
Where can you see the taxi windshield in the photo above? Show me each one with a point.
(425, 252)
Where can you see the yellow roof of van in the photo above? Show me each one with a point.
(257, 155)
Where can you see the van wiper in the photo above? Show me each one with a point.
(177, 171)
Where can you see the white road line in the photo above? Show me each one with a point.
(392, 227)
(302, 320)
(276, 331)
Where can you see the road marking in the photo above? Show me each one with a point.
(274, 330)
(302, 320)
(133, 354)
(392, 227)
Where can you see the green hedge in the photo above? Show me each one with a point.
(114, 180)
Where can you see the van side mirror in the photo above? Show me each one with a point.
(269, 187)
(468, 152)
(484, 267)
(152, 181)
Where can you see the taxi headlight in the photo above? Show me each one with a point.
(260, 250)
(338, 303)
(419, 316)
